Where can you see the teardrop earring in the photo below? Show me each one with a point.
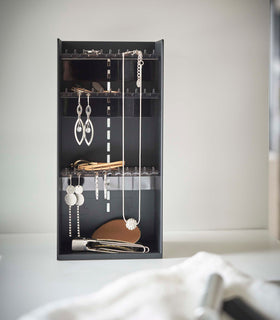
(88, 127)
(79, 125)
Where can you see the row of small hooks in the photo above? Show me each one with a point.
(101, 52)
(129, 171)
(66, 92)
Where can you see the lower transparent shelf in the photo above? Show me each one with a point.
(150, 180)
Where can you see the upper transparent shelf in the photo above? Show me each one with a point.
(105, 56)
(114, 95)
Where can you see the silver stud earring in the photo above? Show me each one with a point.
(79, 125)
(88, 127)
(70, 200)
(80, 201)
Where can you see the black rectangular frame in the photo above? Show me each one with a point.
(153, 122)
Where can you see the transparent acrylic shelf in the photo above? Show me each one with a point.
(106, 56)
(112, 95)
(150, 180)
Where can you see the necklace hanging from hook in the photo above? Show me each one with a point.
(132, 223)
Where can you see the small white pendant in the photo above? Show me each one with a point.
(131, 224)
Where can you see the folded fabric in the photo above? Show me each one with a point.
(172, 293)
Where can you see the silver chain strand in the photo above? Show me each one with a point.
(78, 211)
(70, 221)
(140, 63)
(70, 213)
(78, 222)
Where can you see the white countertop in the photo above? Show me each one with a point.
(31, 276)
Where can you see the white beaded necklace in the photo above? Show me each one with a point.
(131, 223)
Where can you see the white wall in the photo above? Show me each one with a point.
(216, 104)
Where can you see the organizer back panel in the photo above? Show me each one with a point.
(97, 151)
(74, 69)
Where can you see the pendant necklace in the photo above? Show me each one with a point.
(131, 223)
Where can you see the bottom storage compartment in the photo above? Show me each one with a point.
(93, 214)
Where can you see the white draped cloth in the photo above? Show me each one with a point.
(164, 294)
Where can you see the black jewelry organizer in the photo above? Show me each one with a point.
(77, 67)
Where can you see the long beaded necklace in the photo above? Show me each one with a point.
(131, 223)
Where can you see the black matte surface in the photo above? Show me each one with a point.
(93, 213)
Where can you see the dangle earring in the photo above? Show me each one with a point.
(88, 127)
(79, 125)
(70, 200)
(80, 201)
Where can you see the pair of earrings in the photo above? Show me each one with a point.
(73, 197)
(83, 129)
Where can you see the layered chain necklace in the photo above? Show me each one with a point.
(131, 223)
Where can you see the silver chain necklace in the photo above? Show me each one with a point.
(131, 223)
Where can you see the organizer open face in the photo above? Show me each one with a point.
(76, 68)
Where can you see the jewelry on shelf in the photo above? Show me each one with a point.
(108, 246)
(70, 200)
(91, 166)
(81, 90)
(96, 186)
(78, 188)
(97, 87)
(117, 230)
(92, 51)
(96, 166)
(70, 188)
(79, 125)
(107, 88)
(88, 126)
(80, 201)
(131, 223)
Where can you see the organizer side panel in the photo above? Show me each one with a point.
(159, 48)
(58, 227)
